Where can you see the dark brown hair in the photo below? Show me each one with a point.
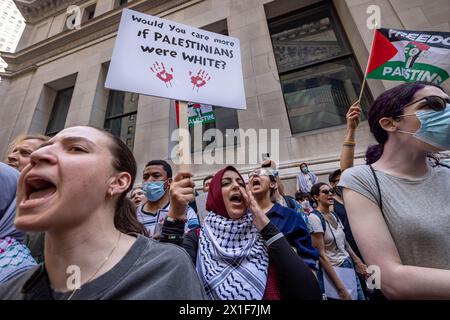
(125, 219)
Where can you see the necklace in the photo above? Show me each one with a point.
(98, 269)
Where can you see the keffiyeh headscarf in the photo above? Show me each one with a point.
(232, 260)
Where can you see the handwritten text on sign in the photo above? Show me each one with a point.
(158, 57)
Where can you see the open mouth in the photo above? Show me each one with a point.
(37, 188)
(256, 182)
(236, 199)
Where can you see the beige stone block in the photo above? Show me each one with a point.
(238, 6)
(209, 17)
(197, 9)
(267, 82)
(264, 63)
(251, 31)
(57, 24)
(272, 103)
(252, 111)
(177, 16)
(103, 6)
(152, 109)
(401, 5)
(250, 87)
(261, 45)
(247, 17)
(414, 19)
(247, 68)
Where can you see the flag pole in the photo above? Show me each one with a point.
(367, 66)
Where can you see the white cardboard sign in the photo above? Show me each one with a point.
(158, 57)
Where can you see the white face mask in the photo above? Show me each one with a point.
(306, 205)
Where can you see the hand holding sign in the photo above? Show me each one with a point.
(162, 73)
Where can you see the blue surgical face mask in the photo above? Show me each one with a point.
(305, 170)
(154, 190)
(434, 127)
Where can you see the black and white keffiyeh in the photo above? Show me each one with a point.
(232, 260)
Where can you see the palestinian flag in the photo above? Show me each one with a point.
(198, 114)
(402, 55)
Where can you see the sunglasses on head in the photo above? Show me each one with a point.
(434, 102)
(327, 192)
(262, 172)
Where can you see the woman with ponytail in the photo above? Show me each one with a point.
(397, 203)
(75, 190)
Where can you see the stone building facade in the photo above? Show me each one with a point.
(303, 63)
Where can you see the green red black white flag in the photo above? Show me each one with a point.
(403, 55)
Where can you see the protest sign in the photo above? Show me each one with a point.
(158, 57)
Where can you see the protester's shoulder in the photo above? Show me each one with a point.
(6, 172)
(315, 222)
(360, 179)
(11, 289)
(356, 173)
(8, 180)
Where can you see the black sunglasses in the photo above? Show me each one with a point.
(327, 192)
(434, 102)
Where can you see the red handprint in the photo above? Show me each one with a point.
(200, 79)
(162, 73)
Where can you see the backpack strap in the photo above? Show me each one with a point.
(322, 219)
(380, 202)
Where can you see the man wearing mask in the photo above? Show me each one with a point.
(305, 179)
(156, 180)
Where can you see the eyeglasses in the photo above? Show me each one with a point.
(434, 102)
(262, 172)
(327, 192)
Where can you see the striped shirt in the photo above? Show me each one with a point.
(153, 221)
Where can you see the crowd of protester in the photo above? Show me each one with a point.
(75, 223)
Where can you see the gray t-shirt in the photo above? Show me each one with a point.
(417, 212)
(149, 271)
(333, 239)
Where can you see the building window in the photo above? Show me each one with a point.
(225, 118)
(59, 112)
(120, 3)
(88, 13)
(318, 72)
(121, 115)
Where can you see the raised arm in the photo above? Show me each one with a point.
(348, 148)
(398, 281)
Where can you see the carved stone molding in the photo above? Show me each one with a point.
(97, 28)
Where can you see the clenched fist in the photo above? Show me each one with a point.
(181, 193)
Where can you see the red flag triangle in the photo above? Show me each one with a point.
(382, 52)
